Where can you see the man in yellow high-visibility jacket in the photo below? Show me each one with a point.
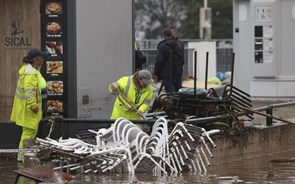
(27, 105)
(138, 93)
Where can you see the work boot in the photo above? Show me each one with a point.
(20, 157)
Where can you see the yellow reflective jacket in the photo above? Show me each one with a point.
(140, 98)
(27, 97)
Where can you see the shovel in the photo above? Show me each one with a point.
(131, 104)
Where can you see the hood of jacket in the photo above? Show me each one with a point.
(27, 69)
(171, 42)
(168, 42)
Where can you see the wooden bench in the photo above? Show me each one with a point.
(42, 173)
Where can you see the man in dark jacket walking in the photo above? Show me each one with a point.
(169, 62)
(180, 45)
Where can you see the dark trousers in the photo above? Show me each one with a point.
(172, 86)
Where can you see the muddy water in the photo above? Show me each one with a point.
(250, 170)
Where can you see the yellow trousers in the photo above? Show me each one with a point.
(27, 133)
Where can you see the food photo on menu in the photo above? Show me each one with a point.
(53, 8)
(54, 67)
(54, 28)
(54, 47)
(54, 106)
(55, 87)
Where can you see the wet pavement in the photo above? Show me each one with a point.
(251, 170)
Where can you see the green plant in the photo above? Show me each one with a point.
(54, 118)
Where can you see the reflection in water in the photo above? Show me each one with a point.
(248, 170)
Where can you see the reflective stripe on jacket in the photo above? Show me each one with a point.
(27, 97)
(140, 98)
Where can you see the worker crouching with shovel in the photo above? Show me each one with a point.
(134, 95)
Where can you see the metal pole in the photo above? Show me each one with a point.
(269, 118)
(206, 74)
(232, 69)
(195, 75)
(284, 104)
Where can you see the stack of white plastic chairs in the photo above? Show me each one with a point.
(189, 149)
(124, 147)
(154, 157)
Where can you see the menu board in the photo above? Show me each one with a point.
(53, 41)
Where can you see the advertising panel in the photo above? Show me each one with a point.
(53, 41)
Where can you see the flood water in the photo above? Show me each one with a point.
(251, 170)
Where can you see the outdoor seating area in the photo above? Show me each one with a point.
(125, 148)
